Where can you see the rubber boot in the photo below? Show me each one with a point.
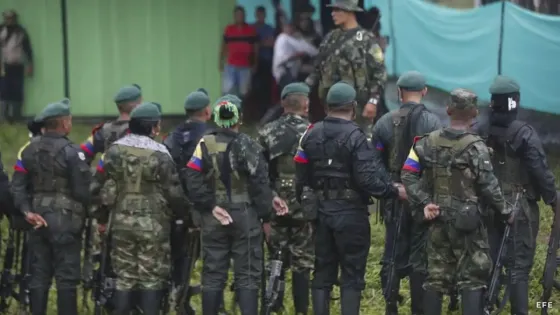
(519, 298)
(248, 301)
(150, 301)
(472, 302)
(433, 302)
(279, 303)
(350, 301)
(122, 302)
(417, 293)
(211, 302)
(321, 301)
(67, 302)
(39, 298)
(300, 292)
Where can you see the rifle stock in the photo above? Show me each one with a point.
(551, 264)
(491, 296)
(388, 291)
(104, 286)
(275, 284)
(185, 291)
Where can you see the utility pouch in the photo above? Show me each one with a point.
(467, 218)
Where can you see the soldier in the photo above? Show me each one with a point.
(104, 134)
(143, 195)
(228, 183)
(393, 135)
(521, 167)
(351, 54)
(336, 161)
(446, 173)
(292, 234)
(51, 188)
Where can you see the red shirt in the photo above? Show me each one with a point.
(240, 41)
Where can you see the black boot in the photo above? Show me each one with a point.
(150, 301)
(417, 293)
(248, 301)
(432, 302)
(472, 302)
(39, 299)
(67, 302)
(321, 301)
(519, 298)
(350, 301)
(279, 303)
(122, 302)
(211, 302)
(300, 292)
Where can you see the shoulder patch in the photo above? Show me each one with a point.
(97, 128)
(81, 155)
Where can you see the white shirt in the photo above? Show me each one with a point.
(285, 47)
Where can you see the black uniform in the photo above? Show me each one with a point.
(52, 179)
(336, 160)
(5, 196)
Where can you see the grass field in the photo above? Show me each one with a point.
(13, 137)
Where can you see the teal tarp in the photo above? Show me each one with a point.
(460, 48)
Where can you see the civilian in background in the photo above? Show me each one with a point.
(262, 84)
(288, 51)
(238, 58)
(306, 29)
(17, 57)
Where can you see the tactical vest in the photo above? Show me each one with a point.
(452, 182)
(113, 131)
(399, 123)
(50, 176)
(230, 186)
(332, 171)
(508, 167)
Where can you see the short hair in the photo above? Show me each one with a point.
(260, 8)
(52, 123)
(127, 106)
(292, 101)
(342, 109)
(142, 127)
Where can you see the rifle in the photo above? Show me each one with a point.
(551, 264)
(87, 270)
(275, 283)
(186, 291)
(23, 294)
(8, 279)
(104, 286)
(388, 290)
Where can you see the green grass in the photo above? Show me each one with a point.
(13, 137)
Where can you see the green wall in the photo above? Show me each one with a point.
(169, 47)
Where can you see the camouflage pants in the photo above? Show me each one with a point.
(456, 257)
(297, 240)
(141, 259)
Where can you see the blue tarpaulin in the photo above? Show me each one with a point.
(460, 48)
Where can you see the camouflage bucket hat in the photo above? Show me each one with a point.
(463, 99)
(346, 5)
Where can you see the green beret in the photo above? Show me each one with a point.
(203, 90)
(296, 88)
(196, 101)
(146, 111)
(412, 81)
(341, 93)
(229, 98)
(504, 85)
(128, 93)
(463, 99)
(53, 110)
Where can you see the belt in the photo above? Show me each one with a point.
(333, 194)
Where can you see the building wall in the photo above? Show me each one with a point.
(168, 47)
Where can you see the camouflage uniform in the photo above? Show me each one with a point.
(291, 234)
(354, 57)
(393, 135)
(143, 194)
(451, 168)
(228, 170)
(520, 164)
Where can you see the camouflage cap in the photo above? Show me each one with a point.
(128, 93)
(53, 110)
(463, 99)
(298, 88)
(196, 101)
(146, 111)
(412, 81)
(346, 5)
(504, 85)
(340, 94)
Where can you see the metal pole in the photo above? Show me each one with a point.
(501, 40)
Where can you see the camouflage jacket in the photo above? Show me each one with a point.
(468, 175)
(358, 60)
(142, 184)
(280, 139)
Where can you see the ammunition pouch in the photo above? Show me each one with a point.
(467, 218)
(309, 204)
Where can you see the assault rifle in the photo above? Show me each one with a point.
(392, 297)
(551, 264)
(104, 286)
(185, 290)
(25, 274)
(275, 283)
